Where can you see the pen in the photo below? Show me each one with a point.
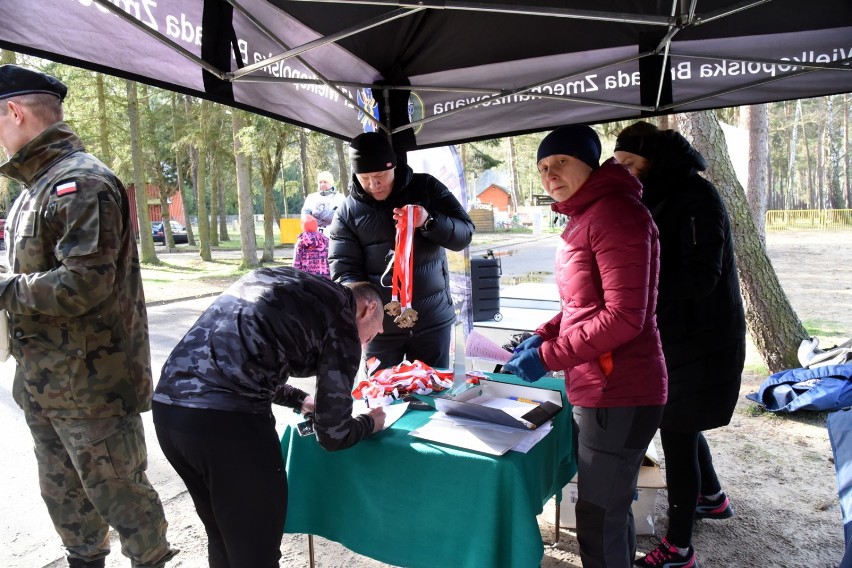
(520, 399)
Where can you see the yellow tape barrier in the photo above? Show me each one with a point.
(809, 219)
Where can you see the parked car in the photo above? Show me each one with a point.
(178, 232)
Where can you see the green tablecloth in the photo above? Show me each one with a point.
(413, 503)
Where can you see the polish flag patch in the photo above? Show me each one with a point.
(65, 188)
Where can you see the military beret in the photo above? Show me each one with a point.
(16, 80)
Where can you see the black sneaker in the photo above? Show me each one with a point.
(718, 508)
(667, 556)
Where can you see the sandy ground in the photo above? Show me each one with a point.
(777, 470)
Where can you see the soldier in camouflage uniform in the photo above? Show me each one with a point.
(73, 293)
(213, 403)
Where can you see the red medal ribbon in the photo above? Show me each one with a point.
(403, 265)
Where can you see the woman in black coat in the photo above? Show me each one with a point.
(363, 234)
(701, 321)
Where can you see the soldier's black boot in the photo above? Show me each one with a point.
(80, 563)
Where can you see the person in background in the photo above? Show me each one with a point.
(311, 249)
(324, 202)
(73, 294)
(364, 233)
(702, 326)
(213, 404)
(605, 338)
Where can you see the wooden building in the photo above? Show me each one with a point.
(155, 210)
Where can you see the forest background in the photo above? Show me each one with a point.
(227, 162)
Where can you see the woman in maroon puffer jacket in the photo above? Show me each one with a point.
(605, 338)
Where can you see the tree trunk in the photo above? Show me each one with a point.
(468, 182)
(832, 171)
(773, 326)
(223, 212)
(144, 221)
(268, 229)
(819, 185)
(757, 117)
(248, 241)
(513, 172)
(846, 160)
(190, 237)
(162, 191)
(203, 218)
(809, 172)
(103, 124)
(214, 196)
(303, 162)
(343, 186)
(791, 165)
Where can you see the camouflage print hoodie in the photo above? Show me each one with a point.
(269, 325)
(73, 287)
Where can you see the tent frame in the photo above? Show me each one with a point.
(683, 15)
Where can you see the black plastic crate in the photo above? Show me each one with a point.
(485, 288)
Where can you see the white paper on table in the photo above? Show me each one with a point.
(479, 436)
(530, 439)
(392, 413)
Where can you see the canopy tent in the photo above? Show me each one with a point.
(437, 72)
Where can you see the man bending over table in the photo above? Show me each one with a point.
(212, 406)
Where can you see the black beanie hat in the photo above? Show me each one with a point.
(577, 140)
(371, 152)
(16, 80)
(642, 142)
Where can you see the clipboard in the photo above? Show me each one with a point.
(469, 404)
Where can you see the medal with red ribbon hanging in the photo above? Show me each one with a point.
(403, 271)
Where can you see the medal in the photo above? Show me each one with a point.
(403, 269)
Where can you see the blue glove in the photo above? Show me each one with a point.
(532, 342)
(527, 365)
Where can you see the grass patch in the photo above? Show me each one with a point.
(826, 331)
(810, 417)
(759, 369)
(192, 269)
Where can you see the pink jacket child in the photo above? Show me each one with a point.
(311, 249)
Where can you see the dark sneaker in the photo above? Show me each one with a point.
(667, 556)
(719, 508)
(80, 563)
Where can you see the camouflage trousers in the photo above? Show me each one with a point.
(92, 476)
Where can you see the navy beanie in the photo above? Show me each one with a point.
(577, 140)
(371, 152)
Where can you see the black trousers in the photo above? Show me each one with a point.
(232, 466)
(611, 443)
(689, 472)
(432, 347)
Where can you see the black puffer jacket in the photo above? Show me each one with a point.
(363, 232)
(699, 310)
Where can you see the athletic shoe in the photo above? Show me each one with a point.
(667, 556)
(718, 508)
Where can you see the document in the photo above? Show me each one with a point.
(393, 412)
(479, 436)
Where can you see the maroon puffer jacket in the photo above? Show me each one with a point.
(606, 336)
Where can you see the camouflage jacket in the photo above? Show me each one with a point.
(73, 287)
(269, 325)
